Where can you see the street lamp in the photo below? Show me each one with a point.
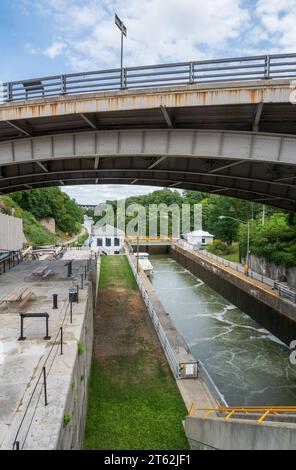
(119, 23)
(248, 236)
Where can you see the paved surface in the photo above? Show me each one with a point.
(21, 362)
(260, 285)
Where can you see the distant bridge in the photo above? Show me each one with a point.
(223, 127)
(87, 206)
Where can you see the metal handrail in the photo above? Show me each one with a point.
(159, 75)
(207, 379)
(230, 411)
(173, 362)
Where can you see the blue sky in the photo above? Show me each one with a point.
(48, 37)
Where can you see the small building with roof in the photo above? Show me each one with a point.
(107, 239)
(200, 238)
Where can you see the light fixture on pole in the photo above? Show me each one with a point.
(119, 23)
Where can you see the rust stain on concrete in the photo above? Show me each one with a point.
(147, 99)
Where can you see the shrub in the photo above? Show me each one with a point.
(67, 419)
(220, 248)
(80, 347)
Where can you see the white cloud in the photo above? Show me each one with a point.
(158, 30)
(90, 194)
(277, 20)
(55, 49)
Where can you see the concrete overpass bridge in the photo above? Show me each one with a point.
(225, 127)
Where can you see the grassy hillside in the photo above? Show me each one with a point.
(37, 204)
(34, 232)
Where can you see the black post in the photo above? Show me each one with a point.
(45, 386)
(22, 337)
(71, 311)
(46, 323)
(16, 445)
(62, 338)
(55, 301)
(81, 276)
(77, 293)
(69, 265)
(84, 272)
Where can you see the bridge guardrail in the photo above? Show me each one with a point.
(149, 76)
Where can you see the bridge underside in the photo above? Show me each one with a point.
(232, 139)
(274, 117)
(254, 166)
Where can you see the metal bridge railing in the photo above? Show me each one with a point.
(163, 75)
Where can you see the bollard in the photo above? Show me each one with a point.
(16, 445)
(62, 338)
(45, 387)
(81, 285)
(55, 301)
(77, 287)
(84, 272)
(71, 311)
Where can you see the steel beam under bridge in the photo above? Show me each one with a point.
(254, 166)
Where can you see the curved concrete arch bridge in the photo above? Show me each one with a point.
(236, 138)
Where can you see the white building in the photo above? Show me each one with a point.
(199, 238)
(107, 239)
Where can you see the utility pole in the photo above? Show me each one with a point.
(121, 26)
(248, 243)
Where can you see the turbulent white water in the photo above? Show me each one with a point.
(248, 364)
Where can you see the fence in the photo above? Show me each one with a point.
(230, 264)
(163, 75)
(207, 379)
(284, 291)
(170, 354)
(9, 259)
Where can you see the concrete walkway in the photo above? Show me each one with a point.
(21, 361)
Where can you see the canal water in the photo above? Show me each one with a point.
(248, 364)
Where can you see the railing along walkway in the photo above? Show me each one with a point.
(261, 67)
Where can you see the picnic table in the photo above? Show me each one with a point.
(42, 271)
(21, 295)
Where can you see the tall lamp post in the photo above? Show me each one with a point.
(121, 26)
(248, 232)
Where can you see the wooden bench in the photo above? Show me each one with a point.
(21, 295)
(15, 295)
(48, 272)
(25, 299)
(40, 271)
